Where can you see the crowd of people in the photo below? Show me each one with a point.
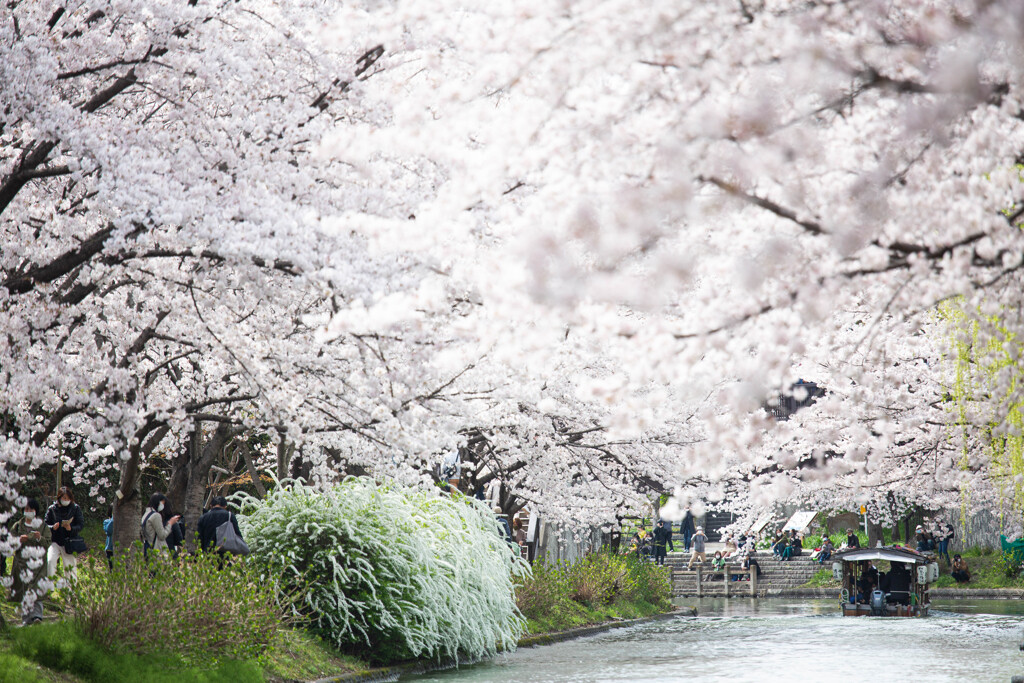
(48, 541)
(785, 544)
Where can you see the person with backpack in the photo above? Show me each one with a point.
(65, 520)
(154, 530)
(213, 520)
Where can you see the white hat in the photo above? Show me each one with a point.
(919, 528)
(700, 528)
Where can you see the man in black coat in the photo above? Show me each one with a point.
(208, 523)
(686, 528)
(662, 537)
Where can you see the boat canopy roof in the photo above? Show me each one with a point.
(888, 553)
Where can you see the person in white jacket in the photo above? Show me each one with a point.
(154, 530)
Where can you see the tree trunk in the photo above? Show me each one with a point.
(199, 472)
(261, 490)
(284, 456)
(128, 506)
(875, 534)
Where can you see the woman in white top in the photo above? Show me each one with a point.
(154, 530)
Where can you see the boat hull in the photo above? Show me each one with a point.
(864, 610)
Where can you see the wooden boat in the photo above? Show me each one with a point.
(902, 592)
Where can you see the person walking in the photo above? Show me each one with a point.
(154, 529)
(217, 515)
(698, 540)
(662, 537)
(65, 520)
(108, 530)
(686, 528)
(28, 568)
(176, 538)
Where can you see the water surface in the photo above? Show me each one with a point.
(789, 640)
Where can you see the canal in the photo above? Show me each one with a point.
(778, 639)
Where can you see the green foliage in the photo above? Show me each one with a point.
(598, 587)
(986, 398)
(1008, 564)
(15, 669)
(196, 608)
(822, 579)
(387, 572)
(63, 647)
(299, 655)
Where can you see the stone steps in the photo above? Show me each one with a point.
(774, 575)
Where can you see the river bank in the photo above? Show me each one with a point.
(392, 673)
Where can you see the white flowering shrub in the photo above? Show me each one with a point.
(389, 572)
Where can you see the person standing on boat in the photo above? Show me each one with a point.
(698, 547)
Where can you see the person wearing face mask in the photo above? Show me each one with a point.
(65, 520)
(29, 567)
(154, 529)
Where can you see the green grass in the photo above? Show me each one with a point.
(985, 572)
(822, 579)
(58, 652)
(301, 656)
(60, 647)
(574, 615)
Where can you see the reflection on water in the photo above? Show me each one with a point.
(740, 639)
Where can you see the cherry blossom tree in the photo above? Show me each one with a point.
(587, 239)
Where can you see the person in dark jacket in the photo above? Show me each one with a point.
(176, 537)
(686, 528)
(662, 537)
(213, 518)
(852, 541)
(960, 571)
(65, 520)
(506, 530)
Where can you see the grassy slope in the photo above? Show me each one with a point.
(573, 615)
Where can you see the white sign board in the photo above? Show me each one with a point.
(800, 520)
(761, 523)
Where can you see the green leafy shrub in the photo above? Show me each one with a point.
(1008, 564)
(556, 595)
(646, 582)
(388, 572)
(595, 579)
(198, 607)
(63, 647)
(542, 591)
